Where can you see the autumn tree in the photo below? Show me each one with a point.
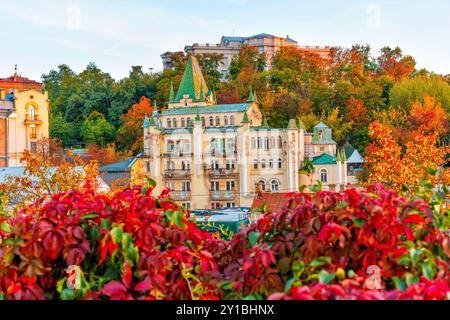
(129, 135)
(387, 163)
(428, 117)
(210, 63)
(393, 64)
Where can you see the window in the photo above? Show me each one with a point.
(183, 124)
(215, 186)
(262, 185)
(231, 120)
(169, 123)
(32, 112)
(170, 145)
(274, 186)
(323, 175)
(253, 143)
(280, 163)
(203, 121)
(170, 165)
(185, 166)
(231, 205)
(230, 164)
(225, 120)
(148, 166)
(174, 122)
(187, 205)
(266, 143)
(33, 132)
(255, 164)
(211, 121)
(259, 143)
(280, 142)
(189, 122)
(186, 146)
(271, 163)
(320, 132)
(186, 186)
(230, 145)
(217, 121)
(263, 164)
(214, 145)
(215, 164)
(230, 185)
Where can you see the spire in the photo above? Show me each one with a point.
(265, 124)
(245, 117)
(343, 155)
(255, 96)
(152, 122)
(251, 97)
(171, 96)
(292, 124)
(192, 81)
(197, 117)
(338, 155)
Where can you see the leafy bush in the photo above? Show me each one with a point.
(80, 245)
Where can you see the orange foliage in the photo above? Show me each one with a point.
(356, 113)
(102, 156)
(386, 163)
(428, 117)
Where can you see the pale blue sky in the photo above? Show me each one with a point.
(116, 34)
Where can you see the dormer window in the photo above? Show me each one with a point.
(320, 133)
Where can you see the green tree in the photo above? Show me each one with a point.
(210, 63)
(63, 130)
(97, 131)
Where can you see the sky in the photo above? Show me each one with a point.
(39, 35)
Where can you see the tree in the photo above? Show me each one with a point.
(210, 62)
(394, 65)
(129, 135)
(387, 163)
(405, 93)
(64, 130)
(428, 117)
(96, 130)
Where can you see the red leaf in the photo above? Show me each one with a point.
(114, 287)
(414, 218)
(127, 275)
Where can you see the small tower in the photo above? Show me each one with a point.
(146, 127)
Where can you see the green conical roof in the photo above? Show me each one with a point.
(192, 82)
(301, 125)
(338, 155)
(251, 97)
(202, 93)
(245, 118)
(265, 124)
(152, 122)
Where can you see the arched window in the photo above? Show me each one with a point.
(271, 163)
(203, 121)
(32, 112)
(259, 143)
(262, 184)
(280, 163)
(217, 121)
(320, 135)
(211, 121)
(253, 143)
(255, 164)
(323, 175)
(225, 120)
(263, 164)
(231, 120)
(274, 185)
(174, 122)
(183, 124)
(170, 145)
(266, 143)
(189, 122)
(169, 123)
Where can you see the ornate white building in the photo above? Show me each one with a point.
(214, 155)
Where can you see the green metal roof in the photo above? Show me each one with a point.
(193, 84)
(324, 159)
(218, 108)
(349, 149)
(321, 125)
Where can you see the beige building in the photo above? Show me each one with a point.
(230, 46)
(214, 155)
(24, 112)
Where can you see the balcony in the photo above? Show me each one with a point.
(177, 174)
(222, 195)
(32, 119)
(180, 195)
(177, 154)
(221, 173)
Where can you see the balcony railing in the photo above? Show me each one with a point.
(222, 195)
(32, 119)
(180, 195)
(177, 174)
(177, 154)
(221, 172)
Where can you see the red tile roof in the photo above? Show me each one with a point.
(274, 200)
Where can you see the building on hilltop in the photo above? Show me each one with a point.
(24, 111)
(230, 46)
(217, 155)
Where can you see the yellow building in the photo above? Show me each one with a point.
(214, 155)
(24, 112)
